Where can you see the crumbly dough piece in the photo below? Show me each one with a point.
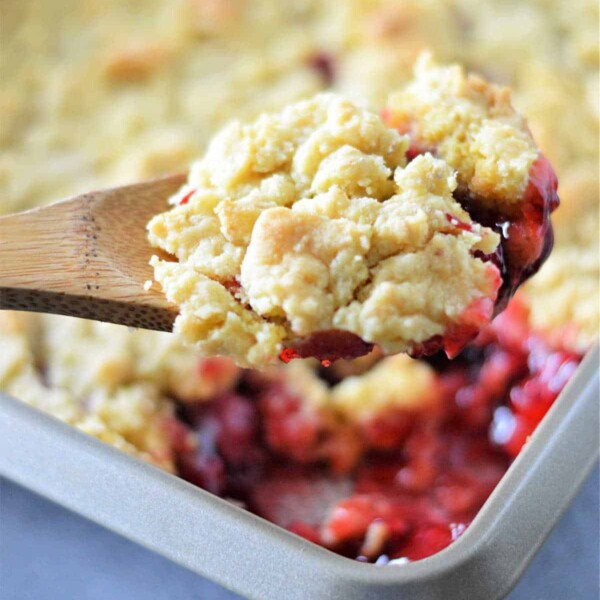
(472, 125)
(133, 418)
(309, 220)
(396, 382)
(393, 383)
(211, 317)
(83, 356)
(563, 296)
(424, 275)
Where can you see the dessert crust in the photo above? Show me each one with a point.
(472, 125)
(316, 218)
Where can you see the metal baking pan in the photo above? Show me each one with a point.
(260, 560)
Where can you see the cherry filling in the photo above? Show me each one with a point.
(401, 486)
(526, 238)
(327, 346)
(186, 198)
(324, 64)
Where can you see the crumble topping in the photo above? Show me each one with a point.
(109, 382)
(472, 125)
(211, 317)
(361, 397)
(564, 296)
(86, 355)
(396, 382)
(310, 220)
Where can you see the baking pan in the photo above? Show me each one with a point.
(260, 560)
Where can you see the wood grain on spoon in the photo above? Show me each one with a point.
(88, 257)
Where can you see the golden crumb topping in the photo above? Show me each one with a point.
(397, 382)
(310, 220)
(564, 296)
(86, 355)
(394, 383)
(109, 382)
(472, 125)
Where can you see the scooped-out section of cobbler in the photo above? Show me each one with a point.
(389, 464)
(324, 229)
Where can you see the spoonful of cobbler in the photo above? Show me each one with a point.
(319, 231)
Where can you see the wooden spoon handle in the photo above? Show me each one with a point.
(45, 248)
(62, 258)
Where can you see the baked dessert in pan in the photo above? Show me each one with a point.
(383, 458)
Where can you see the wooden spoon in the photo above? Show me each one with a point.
(88, 257)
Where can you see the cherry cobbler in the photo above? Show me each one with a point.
(376, 208)
(323, 230)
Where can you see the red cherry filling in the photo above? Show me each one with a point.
(455, 222)
(324, 64)
(526, 238)
(327, 346)
(526, 241)
(402, 485)
(186, 198)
